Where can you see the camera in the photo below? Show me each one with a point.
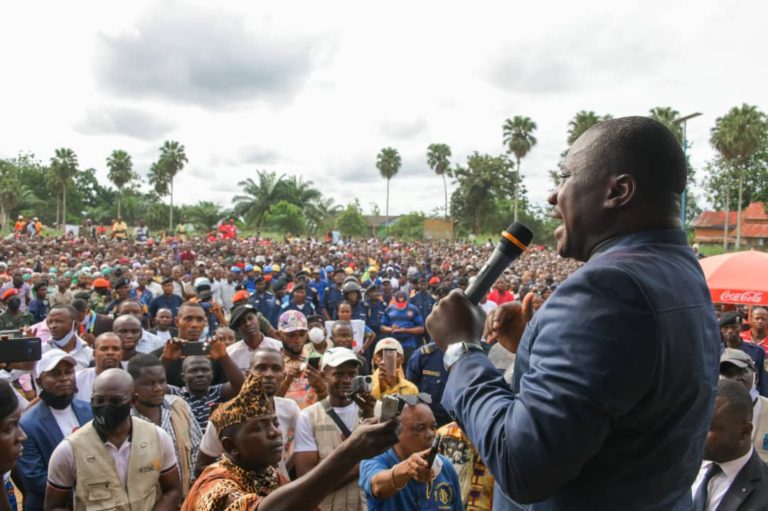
(361, 385)
(391, 407)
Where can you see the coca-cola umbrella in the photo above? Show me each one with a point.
(740, 277)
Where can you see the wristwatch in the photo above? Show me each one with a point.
(455, 351)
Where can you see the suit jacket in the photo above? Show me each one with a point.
(613, 387)
(749, 491)
(43, 435)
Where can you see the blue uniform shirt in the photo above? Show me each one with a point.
(425, 369)
(172, 302)
(444, 492)
(408, 317)
(375, 312)
(331, 298)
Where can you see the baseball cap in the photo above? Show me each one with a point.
(334, 357)
(51, 359)
(101, 282)
(737, 358)
(240, 295)
(388, 343)
(240, 311)
(731, 317)
(291, 321)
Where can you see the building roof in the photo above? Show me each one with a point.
(754, 222)
(715, 219)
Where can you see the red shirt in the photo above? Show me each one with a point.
(499, 298)
(747, 336)
(228, 231)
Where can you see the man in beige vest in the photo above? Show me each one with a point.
(323, 426)
(115, 461)
(737, 365)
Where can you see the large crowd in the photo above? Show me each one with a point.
(224, 372)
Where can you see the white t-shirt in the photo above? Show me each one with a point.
(304, 441)
(66, 419)
(85, 380)
(488, 306)
(241, 353)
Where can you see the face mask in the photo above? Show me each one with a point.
(753, 391)
(14, 304)
(108, 417)
(316, 335)
(64, 340)
(56, 402)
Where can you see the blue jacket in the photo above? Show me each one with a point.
(613, 388)
(43, 435)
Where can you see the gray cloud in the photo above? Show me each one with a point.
(363, 170)
(258, 155)
(201, 56)
(402, 129)
(124, 121)
(584, 56)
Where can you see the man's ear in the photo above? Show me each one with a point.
(621, 190)
(228, 443)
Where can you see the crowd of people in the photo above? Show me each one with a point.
(224, 373)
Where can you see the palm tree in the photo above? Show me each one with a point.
(668, 116)
(205, 214)
(297, 191)
(172, 160)
(258, 196)
(737, 136)
(438, 159)
(388, 162)
(63, 170)
(581, 122)
(120, 173)
(519, 140)
(321, 212)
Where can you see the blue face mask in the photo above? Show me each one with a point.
(64, 340)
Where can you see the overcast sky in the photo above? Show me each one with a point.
(318, 88)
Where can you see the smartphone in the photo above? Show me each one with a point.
(390, 408)
(314, 362)
(434, 449)
(389, 361)
(190, 349)
(10, 333)
(24, 349)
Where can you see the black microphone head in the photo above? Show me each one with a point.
(515, 239)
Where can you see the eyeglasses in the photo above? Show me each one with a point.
(414, 399)
(109, 400)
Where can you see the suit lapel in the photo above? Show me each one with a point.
(49, 424)
(742, 486)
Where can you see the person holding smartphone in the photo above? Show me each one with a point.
(388, 377)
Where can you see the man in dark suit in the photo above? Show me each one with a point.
(615, 375)
(47, 423)
(732, 477)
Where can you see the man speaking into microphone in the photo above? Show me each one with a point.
(615, 375)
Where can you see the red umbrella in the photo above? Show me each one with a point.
(740, 277)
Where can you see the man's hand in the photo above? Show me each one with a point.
(316, 379)
(370, 439)
(291, 373)
(417, 467)
(218, 350)
(454, 319)
(505, 324)
(172, 350)
(366, 402)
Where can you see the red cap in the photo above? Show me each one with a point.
(101, 282)
(240, 295)
(434, 280)
(9, 293)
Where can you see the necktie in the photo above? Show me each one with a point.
(700, 499)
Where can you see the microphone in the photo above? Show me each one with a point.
(514, 241)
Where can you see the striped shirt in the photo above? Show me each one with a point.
(202, 406)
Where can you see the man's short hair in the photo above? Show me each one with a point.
(129, 300)
(142, 361)
(67, 307)
(188, 304)
(737, 399)
(80, 305)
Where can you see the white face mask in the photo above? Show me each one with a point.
(316, 335)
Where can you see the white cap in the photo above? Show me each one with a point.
(388, 343)
(51, 359)
(334, 357)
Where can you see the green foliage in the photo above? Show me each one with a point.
(518, 136)
(720, 182)
(285, 217)
(410, 226)
(485, 179)
(204, 215)
(668, 116)
(351, 221)
(438, 159)
(581, 122)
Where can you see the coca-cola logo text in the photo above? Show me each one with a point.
(742, 296)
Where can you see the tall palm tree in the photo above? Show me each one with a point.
(259, 196)
(120, 173)
(438, 159)
(388, 162)
(581, 122)
(297, 191)
(519, 140)
(668, 116)
(172, 160)
(737, 136)
(63, 170)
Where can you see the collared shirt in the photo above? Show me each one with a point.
(719, 484)
(58, 297)
(149, 342)
(241, 353)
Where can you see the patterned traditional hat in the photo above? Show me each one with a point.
(251, 402)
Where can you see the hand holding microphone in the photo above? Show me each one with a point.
(456, 318)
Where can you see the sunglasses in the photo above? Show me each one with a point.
(414, 399)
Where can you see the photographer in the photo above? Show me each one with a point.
(401, 479)
(325, 425)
